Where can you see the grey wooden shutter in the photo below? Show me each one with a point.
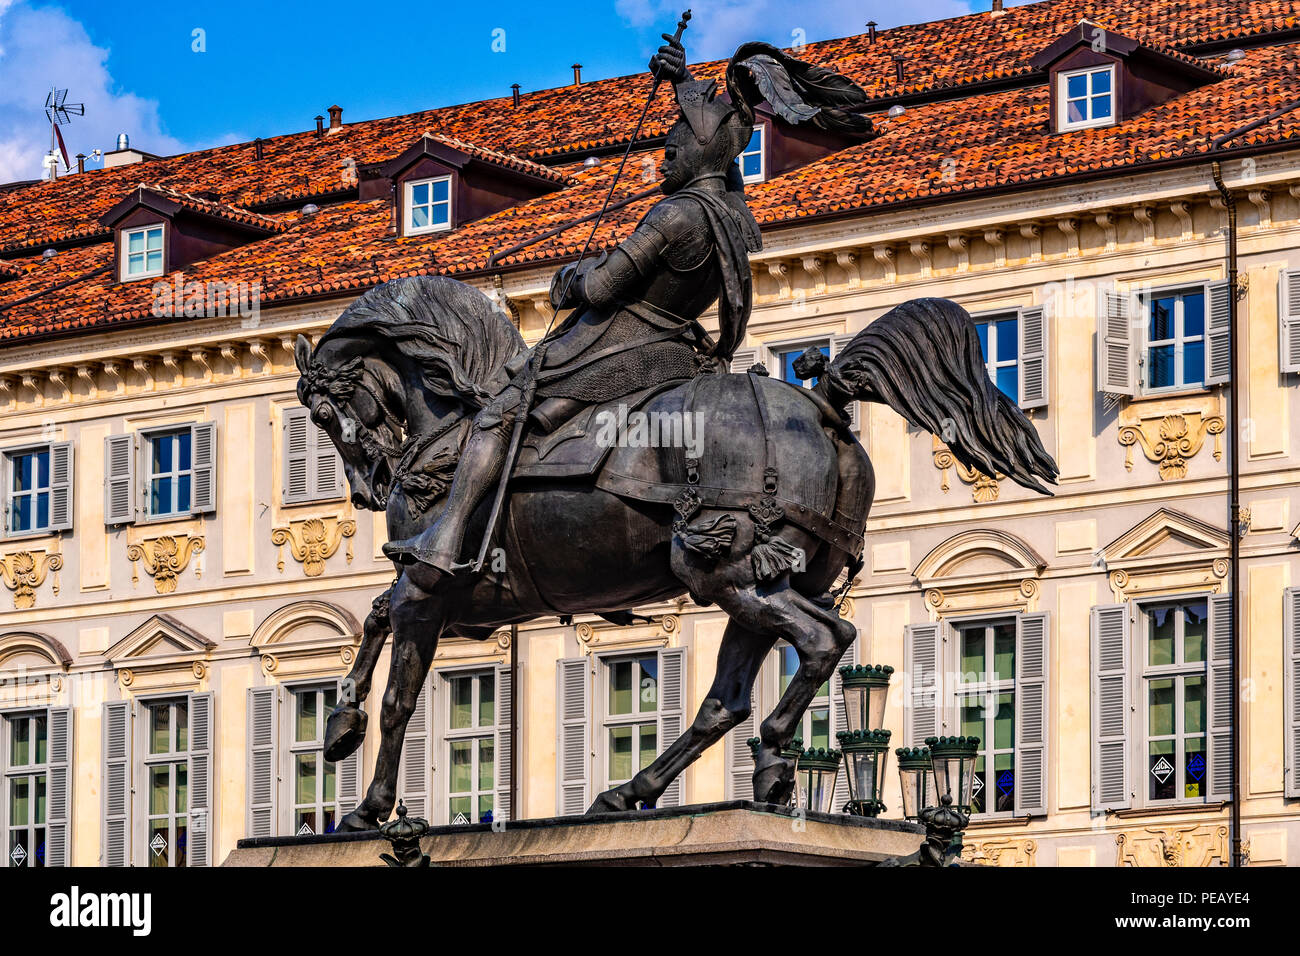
(58, 810)
(1031, 327)
(742, 360)
(417, 760)
(1221, 698)
(1110, 707)
(203, 461)
(1291, 630)
(574, 695)
(1115, 366)
(117, 783)
(503, 804)
(1032, 642)
(1288, 312)
(672, 710)
(262, 776)
(922, 706)
(1218, 333)
(296, 460)
(347, 776)
(61, 486)
(840, 721)
(838, 343)
(740, 760)
(327, 466)
(200, 780)
(119, 479)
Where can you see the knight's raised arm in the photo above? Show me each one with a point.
(669, 62)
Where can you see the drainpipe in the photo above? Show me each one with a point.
(1234, 511)
(514, 723)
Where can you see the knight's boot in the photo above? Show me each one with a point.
(436, 551)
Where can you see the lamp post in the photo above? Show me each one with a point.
(953, 760)
(865, 688)
(815, 779)
(916, 775)
(865, 754)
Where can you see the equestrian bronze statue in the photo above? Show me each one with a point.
(473, 444)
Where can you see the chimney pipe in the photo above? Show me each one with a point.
(898, 67)
(514, 94)
(336, 118)
(257, 147)
(871, 31)
(577, 74)
(81, 162)
(320, 126)
(997, 8)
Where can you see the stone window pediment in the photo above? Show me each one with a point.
(1167, 552)
(306, 639)
(162, 653)
(980, 570)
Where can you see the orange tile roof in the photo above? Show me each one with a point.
(991, 125)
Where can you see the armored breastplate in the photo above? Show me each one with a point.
(687, 287)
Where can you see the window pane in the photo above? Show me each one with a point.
(159, 831)
(419, 217)
(649, 746)
(330, 696)
(1007, 340)
(1008, 381)
(304, 779)
(1160, 712)
(460, 807)
(1195, 621)
(752, 165)
(978, 789)
(441, 214)
(305, 724)
(1160, 646)
(620, 687)
(972, 654)
(486, 700)
(160, 724)
(1004, 781)
(135, 242)
(20, 795)
(327, 784)
(1194, 705)
(39, 816)
(160, 496)
(1194, 314)
(183, 493)
(1193, 363)
(972, 717)
(620, 753)
(486, 763)
(183, 458)
(820, 727)
(1076, 86)
(441, 190)
(42, 741)
(20, 740)
(462, 702)
(420, 194)
(1194, 767)
(1101, 81)
(159, 789)
(1162, 319)
(1160, 364)
(788, 661)
(649, 684)
(182, 788)
(1101, 107)
(22, 473)
(1004, 650)
(182, 715)
(982, 330)
(485, 808)
(182, 841)
(462, 766)
(42, 510)
(163, 448)
(1004, 722)
(304, 821)
(21, 514)
(1161, 771)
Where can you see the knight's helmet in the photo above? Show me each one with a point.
(796, 91)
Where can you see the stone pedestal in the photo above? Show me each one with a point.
(734, 833)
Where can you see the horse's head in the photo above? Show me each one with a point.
(348, 393)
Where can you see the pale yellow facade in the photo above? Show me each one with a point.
(263, 594)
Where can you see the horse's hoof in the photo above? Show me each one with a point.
(612, 801)
(356, 822)
(344, 731)
(774, 783)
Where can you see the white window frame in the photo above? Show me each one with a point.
(991, 362)
(29, 770)
(988, 689)
(294, 748)
(126, 275)
(409, 204)
(1142, 674)
(474, 733)
(1179, 341)
(148, 438)
(9, 454)
(637, 718)
(1063, 98)
(760, 130)
(171, 758)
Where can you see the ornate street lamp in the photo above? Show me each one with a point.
(865, 754)
(953, 759)
(815, 778)
(916, 776)
(865, 688)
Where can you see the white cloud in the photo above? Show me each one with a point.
(717, 27)
(41, 47)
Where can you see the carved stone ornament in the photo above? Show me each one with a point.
(1000, 852)
(24, 571)
(165, 558)
(1195, 844)
(983, 488)
(313, 541)
(1171, 440)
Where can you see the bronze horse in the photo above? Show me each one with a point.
(765, 526)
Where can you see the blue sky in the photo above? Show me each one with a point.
(268, 68)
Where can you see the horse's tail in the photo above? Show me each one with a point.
(923, 360)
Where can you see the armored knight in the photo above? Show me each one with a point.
(635, 310)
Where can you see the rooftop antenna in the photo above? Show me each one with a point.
(60, 112)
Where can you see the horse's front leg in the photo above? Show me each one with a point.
(346, 727)
(417, 620)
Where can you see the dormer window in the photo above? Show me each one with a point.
(142, 252)
(1087, 97)
(752, 167)
(428, 205)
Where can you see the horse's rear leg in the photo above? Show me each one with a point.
(728, 703)
(346, 727)
(416, 618)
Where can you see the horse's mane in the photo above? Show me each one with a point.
(453, 332)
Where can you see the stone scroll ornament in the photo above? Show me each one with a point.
(423, 371)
